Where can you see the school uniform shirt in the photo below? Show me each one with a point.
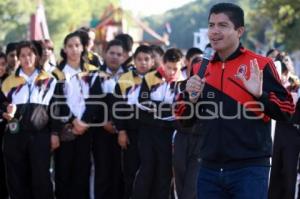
(77, 91)
(108, 83)
(156, 98)
(28, 92)
(126, 95)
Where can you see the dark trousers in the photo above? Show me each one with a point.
(284, 161)
(243, 183)
(72, 168)
(153, 179)
(27, 162)
(107, 161)
(186, 164)
(3, 187)
(131, 162)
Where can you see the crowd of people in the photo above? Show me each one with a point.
(144, 124)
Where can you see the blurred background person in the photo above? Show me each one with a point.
(127, 41)
(158, 53)
(3, 75)
(286, 146)
(88, 35)
(48, 60)
(11, 56)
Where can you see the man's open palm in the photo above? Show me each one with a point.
(255, 81)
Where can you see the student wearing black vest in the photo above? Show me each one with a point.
(78, 82)
(106, 150)
(27, 143)
(126, 94)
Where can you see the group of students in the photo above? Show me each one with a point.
(89, 111)
(119, 119)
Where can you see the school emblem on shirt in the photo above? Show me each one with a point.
(242, 70)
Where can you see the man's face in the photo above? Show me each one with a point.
(12, 59)
(2, 66)
(223, 36)
(47, 51)
(158, 60)
(114, 57)
(143, 62)
(172, 69)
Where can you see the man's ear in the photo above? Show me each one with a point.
(241, 31)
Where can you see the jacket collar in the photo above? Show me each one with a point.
(240, 50)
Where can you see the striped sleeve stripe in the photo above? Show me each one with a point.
(282, 104)
(287, 102)
(290, 108)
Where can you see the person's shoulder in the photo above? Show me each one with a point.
(12, 81)
(126, 76)
(262, 60)
(90, 67)
(151, 74)
(58, 74)
(153, 78)
(254, 55)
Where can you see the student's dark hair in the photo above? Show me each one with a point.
(85, 28)
(11, 47)
(172, 55)
(143, 49)
(3, 55)
(32, 47)
(233, 11)
(39, 46)
(64, 55)
(127, 41)
(270, 51)
(84, 35)
(157, 49)
(192, 51)
(114, 42)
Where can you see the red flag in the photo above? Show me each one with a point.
(38, 25)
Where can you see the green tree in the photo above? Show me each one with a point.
(14, 14)
(63, 16)
(285, 18)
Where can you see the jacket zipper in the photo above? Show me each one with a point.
(222, 75)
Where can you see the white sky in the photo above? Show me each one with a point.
(149, 7)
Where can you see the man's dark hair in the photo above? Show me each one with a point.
(114, 42)
(193, 51)
(157, 49)
(233, 11)
(172, 55)
(11, 47)
(127, 41)
(144, 49)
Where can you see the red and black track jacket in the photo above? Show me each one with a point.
(235, 130)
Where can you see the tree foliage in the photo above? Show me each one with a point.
(285, 18)
(188, 19)
(63, 16)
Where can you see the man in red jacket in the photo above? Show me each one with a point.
(234, 102)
